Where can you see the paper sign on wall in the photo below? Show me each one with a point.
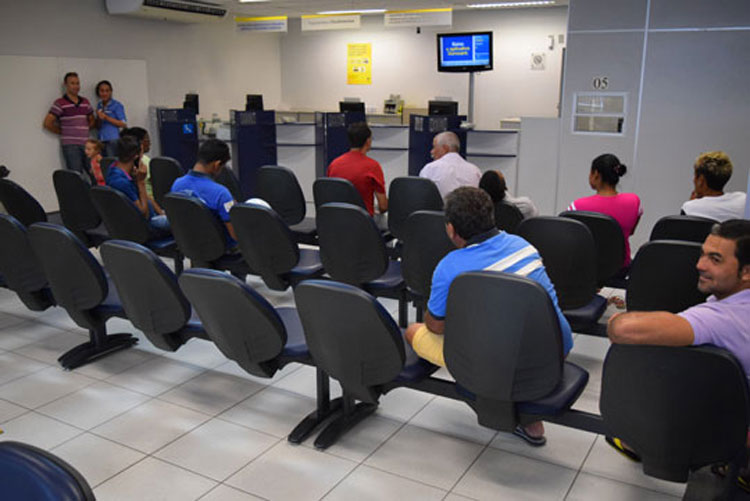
(423, 17)
(330, 22)
(268, 24)
(359, 64)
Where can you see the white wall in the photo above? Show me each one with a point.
(313, 65)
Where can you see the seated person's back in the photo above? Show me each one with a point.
(449, 170)
(199, 182)
(712, 171)
(364, 173)
(493, 182)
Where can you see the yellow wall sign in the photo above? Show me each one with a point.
(359, 64)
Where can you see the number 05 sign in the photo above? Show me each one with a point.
(600, 83)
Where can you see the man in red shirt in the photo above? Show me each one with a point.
(365, 173)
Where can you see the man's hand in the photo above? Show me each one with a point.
(101, 115)
(140, 172)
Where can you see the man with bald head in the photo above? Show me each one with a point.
(447, 169)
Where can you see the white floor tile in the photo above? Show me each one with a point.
(289, 472)
(402, 404)
(156, 376)
(565, 446)
(591, 346)
(217, 449)
(359, 442)
(588, 402)
(456, 497)
(8, 320)
(592, 487)
(502, 475)
(304, 382)
(592, 365)
(271, 411)
(150, 426)
(43, 386)
(154, 479)
(232, 368)
(10, 411)
(95, 458)
(58, 317)
(211, 392)
(93, 405)
(425, 456)
(19, 335)
(604, 461)
(14, 366)
(453, 418)
(225, 493)
(35, 429)
(49, 350)
(198, 352)
(115, 363)
(366, 483)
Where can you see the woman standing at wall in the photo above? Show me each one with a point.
(110, 117)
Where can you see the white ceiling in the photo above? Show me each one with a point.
(299, 7)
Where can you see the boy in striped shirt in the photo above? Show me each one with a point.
(71, 116)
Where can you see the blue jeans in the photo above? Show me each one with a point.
(110, 148)
(75, 158)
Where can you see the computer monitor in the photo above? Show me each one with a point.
(191, 103)
(442, 108)
(254, 102)
(348, 106)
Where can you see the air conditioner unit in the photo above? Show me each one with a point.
(183, 11)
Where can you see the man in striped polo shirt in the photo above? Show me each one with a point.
(470, 224)
(71, 116)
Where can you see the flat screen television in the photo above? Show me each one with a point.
(442, 108)
(254, 102)
(464, 52)
(354, 106)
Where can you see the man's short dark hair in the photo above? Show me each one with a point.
(69, 75)
(358, 133)
(137, 132)
(470, 211)
(128, 148)
(737, 230)
(213, 150)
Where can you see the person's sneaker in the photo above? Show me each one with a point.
(521, 432)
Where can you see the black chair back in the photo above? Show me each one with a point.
(664, 278)
(28, 472)
(148, 290)
(608, 240)
(105, 164)
(241, 322)
(351, 336)
(19, 266)
(266, 243)
(74, 196)
(164, 171)
(228, 178)
(425, 244)
(667, 404)
(351, 247)
(334, 189)
(687, 228)
(198, 232)
(569, 255)
(122, 219)
(407, 195)
(279, 187)
(20, 204)
(507, 217)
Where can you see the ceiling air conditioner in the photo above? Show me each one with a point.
(183, 11)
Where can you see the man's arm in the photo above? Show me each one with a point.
(103, 117)
(51, 124)
(435, 325)
(230, 229)
(140, 181)
(655, 328)
(382, 201)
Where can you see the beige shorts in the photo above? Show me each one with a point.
(429, 345)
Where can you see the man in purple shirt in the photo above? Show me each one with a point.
(71, 116)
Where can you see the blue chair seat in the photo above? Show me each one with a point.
(308, 264)
(588, 314)
(415, 368)
(230, 260)
(571, 386)
(296, 346)
(157, 244)
(391, 279)
(111, 306)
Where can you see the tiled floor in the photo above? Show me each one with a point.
(143, 424)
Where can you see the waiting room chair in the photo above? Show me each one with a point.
(353, 251)
(407, 195)
(20, 204)
(150, 295)
(687, 228)
(425, 244)
(678, 408)
(269, 248)
(228, 178)
(164, 172)
(507, 217)
(664, 277)
(279, 187)
(569, 256)
(610, 246)
(258, 337)
(21, 270)
(201, 236)
(124, 222)
(105, 163)
(76, 208)
(335, 189)
(30, 473)
(79, 285)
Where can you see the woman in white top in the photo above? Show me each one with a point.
(493, 182)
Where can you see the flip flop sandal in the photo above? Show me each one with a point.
(720, 470)
(521, 432)
(617, 445)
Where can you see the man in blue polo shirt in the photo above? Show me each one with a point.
(470, 224)
(199, 182)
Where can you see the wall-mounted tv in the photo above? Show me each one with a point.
(463, 52)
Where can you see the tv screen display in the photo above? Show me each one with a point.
(464, 51)
(351, 106)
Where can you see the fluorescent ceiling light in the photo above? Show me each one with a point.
(359, 11)
(253, 1)
(531, 3)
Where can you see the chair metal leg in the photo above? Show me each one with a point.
(100, 345)
(351, 414)
(179, 264)
(403, 309)
(325, 409)
(420, 313)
